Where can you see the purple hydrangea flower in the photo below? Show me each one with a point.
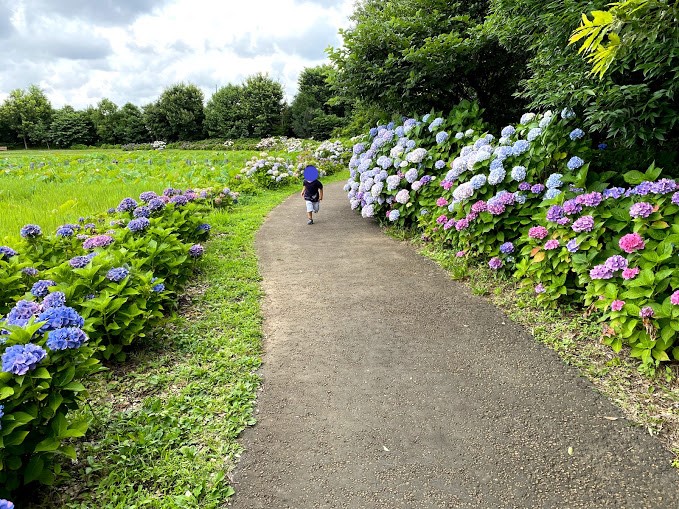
(31, 231)
(138, 224)
(572, 246)
(495, 263)
(147, 196)
(20, 359)
(675, 198)
(524, 186)
(641, 209)
(156, 204)
(642, 189)
(646, 312)
(539, 288)
(507, 248)
(196, 251)
(65, 231)
(551, 244)
(600, 272)
(117, 274)
(126, 205)
(538, 232)
(40, 288)
(571, 207)
(29, 271)
(78, 262)
(537, 188)
(179, 200)
(614, 192)
(555, 213)
(7, 252)
(67, 337)
(98, 241)
(589, 199)
(203, 227)
(663, 186)
(583, 224)
(616, 263)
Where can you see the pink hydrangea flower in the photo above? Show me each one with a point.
(551, 244)
(441, 202)
(674, 298)
(495, 263)
(460, 254)
(479, 206)
(441, 219)
(447, 184)
(630, 273)
(538, 232)
(617, 305)
(631, 242)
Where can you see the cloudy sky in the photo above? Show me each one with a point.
(79, 51)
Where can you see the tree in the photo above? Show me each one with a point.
(27, 114)
(70, 127)
(262, 100)
(312, 114)
(131, 128)
(225, 115)
(156, 122)
(106, 119)
(412, 56)
(182, 107)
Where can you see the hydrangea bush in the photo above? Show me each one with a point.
(268, 171)
(77, 295)
(523, 201)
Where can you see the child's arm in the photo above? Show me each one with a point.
(320, 194)
(302, 193)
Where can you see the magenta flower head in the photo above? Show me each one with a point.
(98, 241)
(538, 232)
(479, 206)
(441, 219)
(551, 244)
(462, 224)
(441, 202)
(460, 254)
(631, 242)
(674, 298)
(630, 273)
(646, 312)
(617, 305)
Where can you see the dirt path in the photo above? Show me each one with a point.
(387, 385)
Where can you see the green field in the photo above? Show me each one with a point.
(50, 188)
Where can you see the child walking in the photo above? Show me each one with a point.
(312, 192)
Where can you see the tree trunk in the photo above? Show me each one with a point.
(25, 143)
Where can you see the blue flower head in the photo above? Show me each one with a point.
(66, 337)
(54, 300)
(519, 173)
(441, 137)
(20, 359)
(7, 252)
(508, 131)
(138, 224)
(57, 318)
(31, 231)
(574, 163)
(126, 205)
(576, 134)
(554, 181)
(40, 288)
(117, 274)
(65, 231)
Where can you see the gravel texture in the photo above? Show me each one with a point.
(387, 385)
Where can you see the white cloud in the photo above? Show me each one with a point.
(132, 51)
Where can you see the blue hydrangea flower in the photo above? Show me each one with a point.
(22, 312)
(65, 231)
(574, 163)
(440, 164)
(56, 318)
(203, 227)
(373, 132)
(399, 131)
(7, 252)
(117, 274)
(179, 200)
(138, 224)
(411, 175)
(67, 337)
(567, 113)
(159, 287)
(54, 300)
(441, 137)
(552, 193)
(394, 215)
(520, 146)
(459, 135)
(546, 120)
(496, 176)
(142, 211)
(126, 205)
(507, 131)
(554, 181)
(390, 125)
(519, 198)
(29, 271)
(20, 359)
(519, 173)
(572, 245)
(40, 288)
(534, 133)
(436, 123)
(31, 231)
(496, 164)
(507, 248)
(147, 196)
(196, 251)
(602, 146)
(478, 181)
(576, 134)
(156, 204)
(526, 117)
(426, 117)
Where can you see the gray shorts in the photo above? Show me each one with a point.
(312, 206)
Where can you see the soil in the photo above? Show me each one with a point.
(387, 385)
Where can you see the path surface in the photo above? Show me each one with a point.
(387, 385)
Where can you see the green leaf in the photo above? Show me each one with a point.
(49, 444)
(6, 392)
(33, 469)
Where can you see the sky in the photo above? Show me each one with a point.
(80, 51)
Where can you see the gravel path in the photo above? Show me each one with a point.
(387, 385)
